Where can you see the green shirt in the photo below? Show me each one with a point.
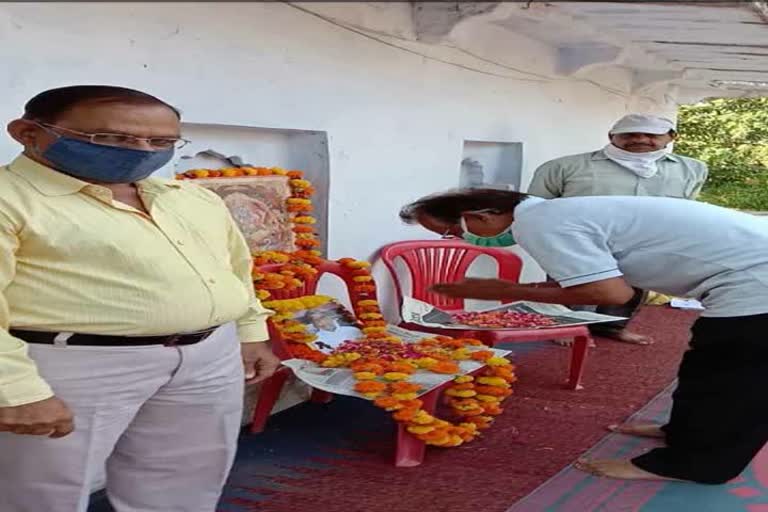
(593, 174)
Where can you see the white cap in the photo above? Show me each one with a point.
(642, 123)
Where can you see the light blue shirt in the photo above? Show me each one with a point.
(674, 246)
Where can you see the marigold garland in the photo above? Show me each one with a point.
(381, 363)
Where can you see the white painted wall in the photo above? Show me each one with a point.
(395, 121)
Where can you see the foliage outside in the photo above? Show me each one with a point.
(731, 136)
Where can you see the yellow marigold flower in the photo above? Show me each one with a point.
(362, 279)
(298, 183)
(488, 398)
(278, 171)
(359, 264)
(395, 376)
(423, 418)
(370, 316)
(493, 381)
(497, 361)
(420, 429)
(460, 354)
(367, 302)
(405, 396)
(365, 375)
(461, 393)
(426, 362)
(463, 379)
(371, 330)
(304, 219)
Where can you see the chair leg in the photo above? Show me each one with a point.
(320, 397)
(409, 451)
(578, 357)
(268, 396)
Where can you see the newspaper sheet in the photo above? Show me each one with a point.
(340, 381)
(421, 313)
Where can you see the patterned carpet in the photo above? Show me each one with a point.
(338, 457)
(573, 491)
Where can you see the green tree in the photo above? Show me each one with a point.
(731, 136)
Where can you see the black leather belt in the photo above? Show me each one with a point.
(99, 340)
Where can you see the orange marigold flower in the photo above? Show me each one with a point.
(481, 355)
(406, 414)
(401, 366)
(295, 175)
(492, 408)
(493, 391)
(389, 403)
(445, 367)
(368, 386)
(307, 243)
(404, 387)
(364, 366)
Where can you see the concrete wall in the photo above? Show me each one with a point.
(396, 121)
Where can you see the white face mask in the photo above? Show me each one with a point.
(642, 164)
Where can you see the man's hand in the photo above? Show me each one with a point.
(259, 361)
(50, 417)
(483, 289)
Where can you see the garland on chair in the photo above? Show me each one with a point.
(382, 363)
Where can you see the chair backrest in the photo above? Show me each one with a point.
(443, 261)
(310, 285)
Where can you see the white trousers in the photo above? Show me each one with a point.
(163, 421)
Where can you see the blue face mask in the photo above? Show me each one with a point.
(503, 239)
(106, 164)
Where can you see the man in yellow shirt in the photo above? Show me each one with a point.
(120, 298)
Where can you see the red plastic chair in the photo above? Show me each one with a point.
(444, 261)
(409, 450)
(271, 388)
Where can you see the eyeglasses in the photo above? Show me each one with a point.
(124, 141)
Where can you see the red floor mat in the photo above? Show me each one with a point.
(543, 429)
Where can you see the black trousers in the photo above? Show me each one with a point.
(719, 418)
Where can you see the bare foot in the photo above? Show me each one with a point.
(625, 336)
(639, 429)
(616, 468)
(569, 342)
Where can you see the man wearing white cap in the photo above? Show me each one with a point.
(636, 162)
